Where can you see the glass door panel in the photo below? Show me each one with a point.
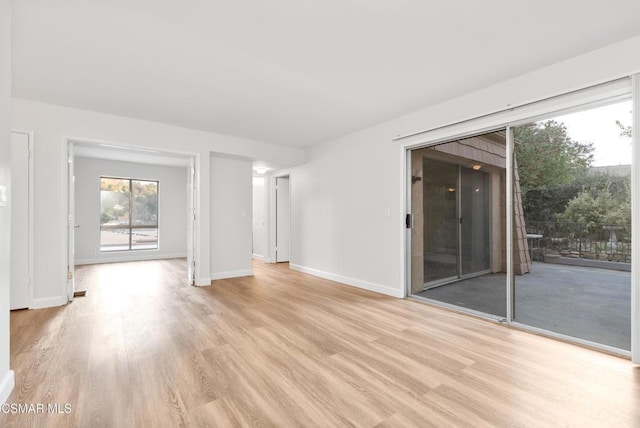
(573, 173)
(475, 223)
(440, 221)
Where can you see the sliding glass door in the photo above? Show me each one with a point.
(532, 224)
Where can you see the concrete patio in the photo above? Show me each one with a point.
(587, 303)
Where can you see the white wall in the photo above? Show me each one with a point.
(172, 209)
(6, 376)
(259, 218)
(231, 188)
(52, 124)
(342, 195)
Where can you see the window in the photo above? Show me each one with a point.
(128, 214)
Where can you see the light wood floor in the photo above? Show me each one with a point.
(286, 349)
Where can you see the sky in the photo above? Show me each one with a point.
(598, 126)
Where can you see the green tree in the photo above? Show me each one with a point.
(625, 130)
(547, 157)
(592, 210)
(587, 211)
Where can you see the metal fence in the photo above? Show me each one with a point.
(608, 242)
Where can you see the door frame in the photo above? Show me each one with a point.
(598, 95)
(191, 221)
(69, 156)
(279, 210)
(71, 223)
(272, 215)
(30, 222)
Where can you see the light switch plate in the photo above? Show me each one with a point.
(3, 196)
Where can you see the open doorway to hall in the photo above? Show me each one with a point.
(271, 216)
(129, 206)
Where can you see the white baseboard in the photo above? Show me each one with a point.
(6, 386)
(130, 257)
(259, 257)
(366, 285)
(203, 282)
(48, 302)
(231, 274)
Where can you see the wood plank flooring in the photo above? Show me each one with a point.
(286, 349)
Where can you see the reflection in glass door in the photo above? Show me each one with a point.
(474, 221)
(456, 222)
(440, 222)
(458, 233)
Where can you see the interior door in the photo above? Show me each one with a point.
(283, 219)
(19, 221)
(71, 225)
(191, 216)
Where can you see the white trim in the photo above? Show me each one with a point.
(530, 111)
(191, 221)
(231, 274)
(49, 302)
(570, 339)
(203, 282)
(605, 93)
(458, 309)
(132, 257)
(119, 145)
(31, 201)
(405, 234)
(510, 147)
(377, 288)
(71, 223)
(6, 386)
(635, 224)
(259, 257)
(31, 212)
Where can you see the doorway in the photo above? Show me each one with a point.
(158, 204)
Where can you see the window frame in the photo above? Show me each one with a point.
(130, 227)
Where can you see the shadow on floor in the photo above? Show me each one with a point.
(587, 303)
